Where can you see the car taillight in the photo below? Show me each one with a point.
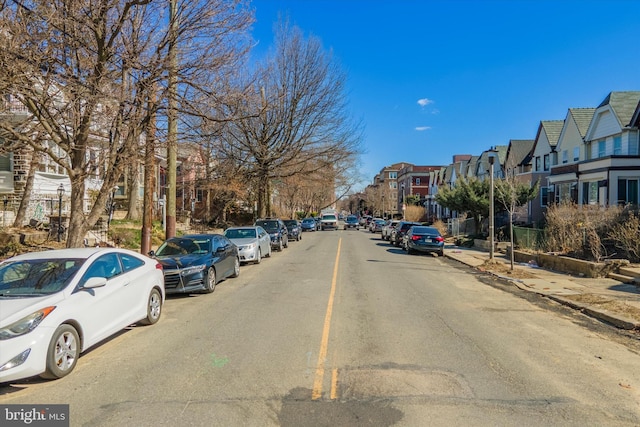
(158, 266)
(439, 239)
(415, 237)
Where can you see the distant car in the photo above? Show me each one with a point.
(197, 262)
(253, 242)
(387, 228)
(294, 229)
(329, 222)
(277, 230)
(351, 222)
(398, 232)
(376, 225)
(421, 238)
(308, 224)
(364, 220)
(56, 304)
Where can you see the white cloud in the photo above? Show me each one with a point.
(423, 128)
(424, 102)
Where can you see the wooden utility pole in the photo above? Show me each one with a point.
(172, 123)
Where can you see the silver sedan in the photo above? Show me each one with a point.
(253, 242)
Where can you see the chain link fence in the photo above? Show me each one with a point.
(529, 238)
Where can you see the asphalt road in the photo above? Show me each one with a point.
(342, 329)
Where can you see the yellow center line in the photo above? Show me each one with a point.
(322, 356)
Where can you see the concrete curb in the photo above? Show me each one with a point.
(616, 320)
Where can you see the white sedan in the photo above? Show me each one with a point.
(253, 242)
(56, 304)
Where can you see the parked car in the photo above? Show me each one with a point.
(197, 262)
(253, 242)
(376, 225)
(329, 222)
(318, 222)
(294, 229)
(308, 224)
(398, 232)
(420, 238)
(56, 304)
(364, 220)
(351, 222)
(277, 230)
(387, 228)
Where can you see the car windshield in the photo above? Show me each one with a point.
(37, 277)
(240, 233)
(308, 220)
(329, 217)
(352, 219)
(291, 223)
(184, 246)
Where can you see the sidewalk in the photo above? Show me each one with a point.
(606, 299)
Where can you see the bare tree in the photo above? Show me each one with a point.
(295, 121)
(85, 70)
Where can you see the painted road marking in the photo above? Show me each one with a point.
(322, 356)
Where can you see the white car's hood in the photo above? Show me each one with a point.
(13, 309)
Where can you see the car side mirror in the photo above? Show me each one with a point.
(94, 282)
(152, 254)
(221, 249)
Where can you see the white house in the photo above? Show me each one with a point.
(610, 171)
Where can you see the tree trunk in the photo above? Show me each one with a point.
(26, 196)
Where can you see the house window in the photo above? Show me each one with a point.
(199, 195)
(565, 156)
(417, 181)
(617, 145)
(538, 168)
(393, 175)
(602, 148)
(628, 191)
(393, 184)
(544, 193)
(590, 193)
(576, 154)
(546, 162)
(5, 163)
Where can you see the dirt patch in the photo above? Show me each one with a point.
(503, 269)
(614, 306)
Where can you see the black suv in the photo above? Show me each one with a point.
(277, 230)
(401, 230)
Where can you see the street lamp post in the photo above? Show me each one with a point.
(60, 194)
(404, 206)
(112, 205)
(491, 207)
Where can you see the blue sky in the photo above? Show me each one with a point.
(430, 79)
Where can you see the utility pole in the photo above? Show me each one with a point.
(149, 177)
(172, 123)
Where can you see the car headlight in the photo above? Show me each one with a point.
(247, 247)
(192, 270)
(25, 325)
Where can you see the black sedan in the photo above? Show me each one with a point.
(196, 263)
(420, 238)
(351, 222)
(294, 228)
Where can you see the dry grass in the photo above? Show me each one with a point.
(499, 267)
(614, 306)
